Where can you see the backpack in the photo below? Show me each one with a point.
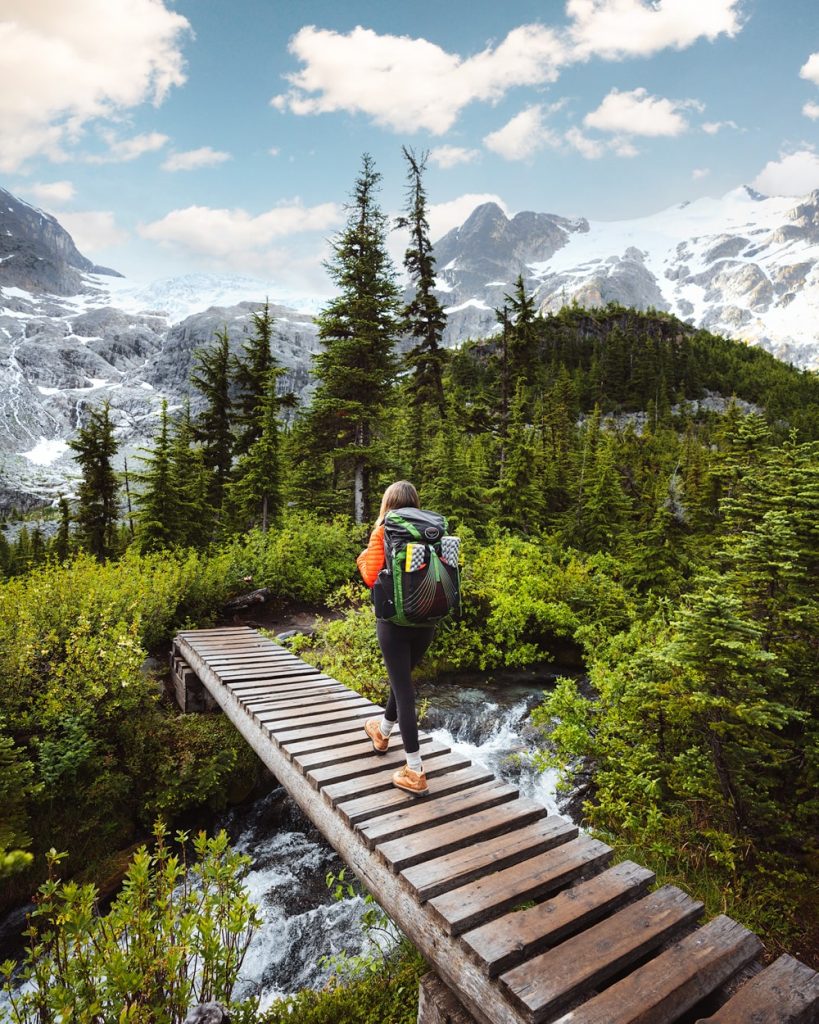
(421, 583)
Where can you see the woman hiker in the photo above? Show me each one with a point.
(402, 647)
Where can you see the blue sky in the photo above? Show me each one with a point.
(225, 136)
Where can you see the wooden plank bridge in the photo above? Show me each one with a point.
(522, 916)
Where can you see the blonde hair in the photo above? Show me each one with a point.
(401, 494)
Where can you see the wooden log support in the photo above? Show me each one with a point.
(522, 918)
(437, 1004)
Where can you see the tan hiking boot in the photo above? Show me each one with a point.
(372, 727)
(414, 783)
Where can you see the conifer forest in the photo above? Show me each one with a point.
(631, 490)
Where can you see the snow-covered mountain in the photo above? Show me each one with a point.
(73, 334)
(745, 265)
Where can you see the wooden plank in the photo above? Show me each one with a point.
(312, 756)
(308, 688)
(235, 648)
(543, 985)
(321, 699)
(501, 944)
(461, 866)
(332, 730)
(664, 989)
(328, 746)
(216, 630)
(492, 895)
(279, 725)
(786, 992)
(433, 842)
(384, 801)
(222, 659)
(371, 773)
(283, 710)
(427, 814)
(266, 673)
(281, 684)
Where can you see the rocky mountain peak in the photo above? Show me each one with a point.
(37, 254)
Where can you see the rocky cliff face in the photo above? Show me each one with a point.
(37, 254)
(745, 265)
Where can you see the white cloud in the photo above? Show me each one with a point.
(93, 230)
(66, 64)
(793, 174)
(712, 127)
(409, 84)
(591, 149)
(700, 172)
(810, 69)
(274, 151)
(51, 192)
(624, 147)
(638, 113)
(222, 234)
(191, 159)
(629, 28)
(450, 156)
(443, 217)
(522, 136)
(811, 110)
(122, 151)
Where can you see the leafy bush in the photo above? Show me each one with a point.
(176, 935)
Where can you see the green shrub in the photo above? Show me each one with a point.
(176, 935)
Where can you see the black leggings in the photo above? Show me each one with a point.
(403, 647)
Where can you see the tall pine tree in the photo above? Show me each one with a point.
(342, 435)
(95, 447)
(211, 376)
(425, 315)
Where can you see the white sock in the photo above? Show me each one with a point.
(386, 727)
(414, 762)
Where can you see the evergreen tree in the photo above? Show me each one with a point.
(344, 430)
(95, 447)
(191, 482)
(211, 376)
(254, 495)
(523, 338)
(519, 493)
(251, 376)
(61, 544)
(425, 315)
(158, 511)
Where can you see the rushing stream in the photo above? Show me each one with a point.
(485, 720)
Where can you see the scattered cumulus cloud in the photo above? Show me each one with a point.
(793, 174)
(409, 84)
(712, 127)
(700, 172)
(124, 150)
(638, 113)
(274, 151)
(221, 234)
(591, 149)
(93, 230)
(810, 69)
(811, 110)
(192, 159)
(614, 29)
(522, 136)
(66, 65)
(446, 157)
(53, 193)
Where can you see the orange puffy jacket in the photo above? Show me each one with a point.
(371, 560)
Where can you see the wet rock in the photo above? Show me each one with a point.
(208, 1013)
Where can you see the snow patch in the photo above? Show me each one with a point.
(46, 451)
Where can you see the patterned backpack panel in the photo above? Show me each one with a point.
(421, 582)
